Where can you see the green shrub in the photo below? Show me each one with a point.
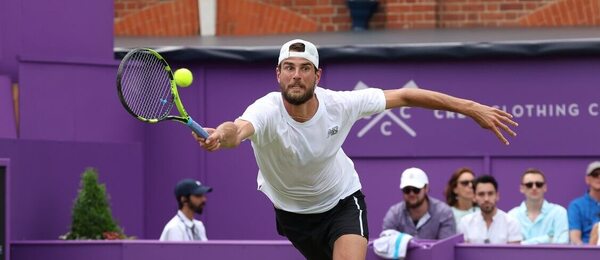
(91, 216)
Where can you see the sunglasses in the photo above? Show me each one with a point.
(407, 190)
(537, 184)
(465, 183)
(594, 174)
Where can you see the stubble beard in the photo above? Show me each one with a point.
(487, 209)
(295, 99)
(417, 203)
(197, 209)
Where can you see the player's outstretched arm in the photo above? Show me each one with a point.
(487, 117)
(227, 135)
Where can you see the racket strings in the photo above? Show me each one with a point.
(146, 86)
(157, 86)
(156, 75)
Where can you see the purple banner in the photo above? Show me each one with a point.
(555, 104)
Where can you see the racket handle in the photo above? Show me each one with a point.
(196, 128)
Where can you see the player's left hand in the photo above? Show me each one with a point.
(494, 119)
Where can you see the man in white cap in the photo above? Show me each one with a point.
(418, 214)
(297, 135)
(584, 211)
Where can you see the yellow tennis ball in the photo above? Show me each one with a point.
(183, 77)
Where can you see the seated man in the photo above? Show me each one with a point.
(541, 221)
(491, 225)
(190, 196)
(419, 215)
(583, 211)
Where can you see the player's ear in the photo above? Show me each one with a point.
(318, 72)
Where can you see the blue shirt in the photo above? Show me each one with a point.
(550, 226)
(583, 213)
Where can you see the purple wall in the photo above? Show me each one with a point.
(69, 31)
(448, 249)
(514, 84)
(82, 106)
(10, 37)
(7, 118)
(45, 178)
(71, 118)
(518, 252)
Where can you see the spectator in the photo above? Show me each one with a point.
(491, 225)
(419, 215)
(540, 220)
(583, 211)
(460, 195)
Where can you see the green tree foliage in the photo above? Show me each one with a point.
(91, 216)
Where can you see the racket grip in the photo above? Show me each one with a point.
(196, 128)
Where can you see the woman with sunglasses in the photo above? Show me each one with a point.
(459, 193)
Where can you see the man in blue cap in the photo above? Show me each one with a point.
(191, 198)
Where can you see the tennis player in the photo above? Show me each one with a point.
(297, 134)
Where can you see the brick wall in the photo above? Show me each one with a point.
(261, 17)
(565, 13)
(126, 7)
(486, 13)
(160, 18)
(330, 15)
(248, 17)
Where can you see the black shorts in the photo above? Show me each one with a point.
(314, 234)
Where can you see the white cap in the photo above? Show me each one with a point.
(413, 177)
(592, 166)
(310, 52)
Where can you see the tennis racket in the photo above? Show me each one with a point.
(148, 91)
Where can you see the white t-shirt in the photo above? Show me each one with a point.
(179, 228)
(302, 167)
(459, 214)
(504, 229)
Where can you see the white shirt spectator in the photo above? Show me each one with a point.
(180, 228)
(504, 229)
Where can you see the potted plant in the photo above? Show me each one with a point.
(91, 215)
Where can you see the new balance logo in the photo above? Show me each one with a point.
(332, 131)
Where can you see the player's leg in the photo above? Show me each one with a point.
(305, 231)
(349, 230)
(350, 247)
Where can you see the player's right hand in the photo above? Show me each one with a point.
(212, 143)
